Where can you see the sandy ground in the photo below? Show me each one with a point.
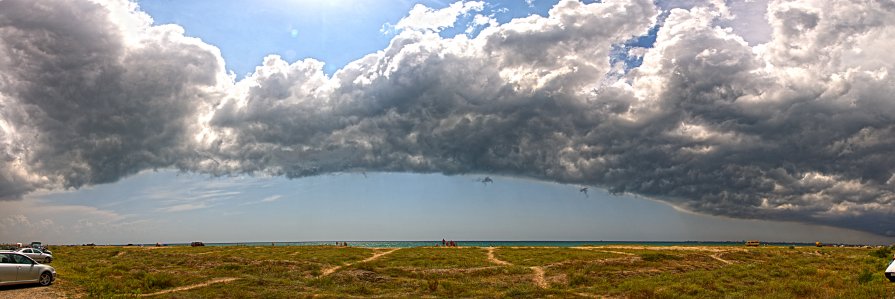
(30, 291)
(493, 259)
(539, 277)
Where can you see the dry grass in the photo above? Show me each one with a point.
(629, 272)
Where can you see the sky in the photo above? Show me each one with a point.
(293, 120)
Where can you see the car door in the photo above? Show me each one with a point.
(38, 255)
(8, 268)
(33, 254)
(27, 270)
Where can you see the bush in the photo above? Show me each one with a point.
(655, 257)
(576, 279)
(433, 285)
(159, 281)
(865, 277)
(883, 253)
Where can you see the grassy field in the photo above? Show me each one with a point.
(606, 271)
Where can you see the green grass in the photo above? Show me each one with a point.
(296, 272)
(546, 256)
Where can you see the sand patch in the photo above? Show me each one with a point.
(538, 277)
(717, 256)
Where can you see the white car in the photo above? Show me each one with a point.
(890, 271)
(16, 268)
(36, 255)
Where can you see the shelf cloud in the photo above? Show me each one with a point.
(798, 127)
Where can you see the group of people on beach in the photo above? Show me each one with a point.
(446, 243)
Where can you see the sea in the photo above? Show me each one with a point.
(408, 244)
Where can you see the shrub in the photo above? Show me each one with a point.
(865, 277)
(433, 285)
(655, 257)
(883, 252)
(158, 281)
(576, 279)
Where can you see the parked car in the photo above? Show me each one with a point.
(890, 271)
(195, 244)
(16, 268)
(36, 255)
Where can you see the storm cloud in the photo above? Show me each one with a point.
(799, 127)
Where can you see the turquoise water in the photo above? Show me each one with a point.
(406, 244)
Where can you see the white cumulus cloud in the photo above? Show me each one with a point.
(792, 124)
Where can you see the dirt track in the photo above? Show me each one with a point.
(190, 287)
(30, 291)
(375, 256)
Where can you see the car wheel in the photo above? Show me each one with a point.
(45, 279)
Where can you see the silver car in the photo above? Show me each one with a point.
(36, 255)
(890, 271)
(16, 268)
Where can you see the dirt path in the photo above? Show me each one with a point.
(190, 287)
(120, 253)
(538, 272)
(375, 256)
(718, 257)
(539, 277)
(30, 291)
(494, 260)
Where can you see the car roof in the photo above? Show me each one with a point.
(16, 253)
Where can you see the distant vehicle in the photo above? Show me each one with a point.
(890, 271)
(36, 245)
(818, 244)
(753, 243)
(36, 255)
(17, 268)
(196, 244)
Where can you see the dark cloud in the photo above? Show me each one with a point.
(798, 128)
(85, 104)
